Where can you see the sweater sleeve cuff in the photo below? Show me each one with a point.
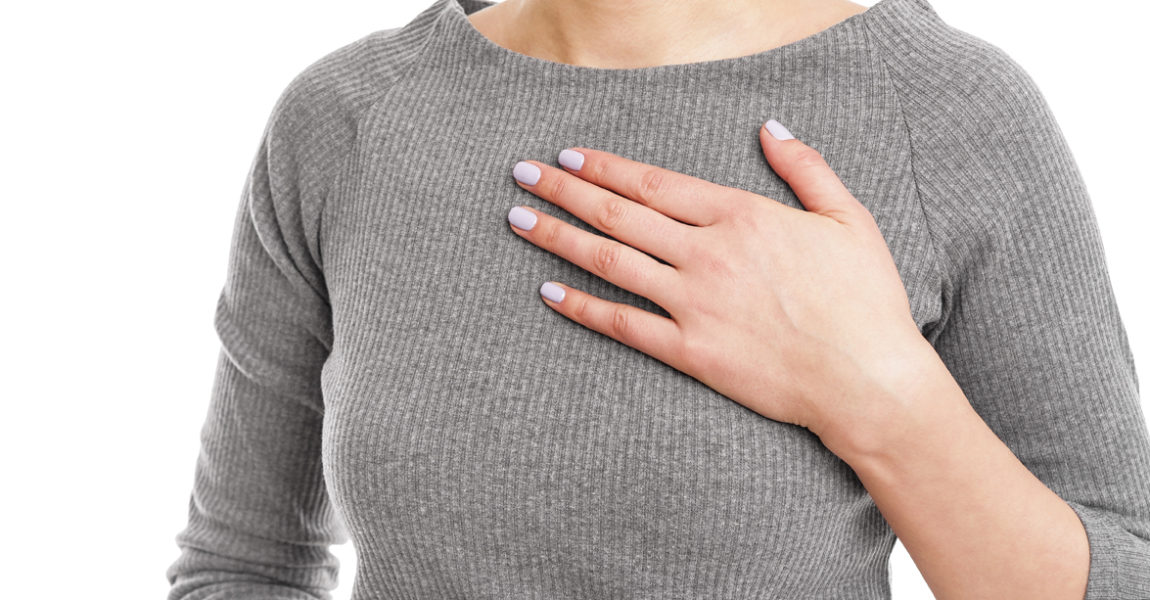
(1117, 567)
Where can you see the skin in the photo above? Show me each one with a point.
(624, 34)
(800, 315)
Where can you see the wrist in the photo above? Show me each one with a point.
(888, 401)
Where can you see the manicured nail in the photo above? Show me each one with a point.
(552, 292)
(526, 172)
(521, 218)
(777, 130)
(571, 159)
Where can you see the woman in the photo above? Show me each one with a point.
(771, 356)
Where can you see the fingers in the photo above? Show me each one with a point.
(651, 334)
(634, 224)
(682, 197)
(816, 185)
(613, 261)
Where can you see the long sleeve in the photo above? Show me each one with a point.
(260, 522)
(1030, 328)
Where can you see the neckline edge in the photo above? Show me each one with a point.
(457, 12)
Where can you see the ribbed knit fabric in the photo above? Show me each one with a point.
(389, 373)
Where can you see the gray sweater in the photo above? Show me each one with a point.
(389, 375)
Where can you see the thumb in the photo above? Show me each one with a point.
(804, 169)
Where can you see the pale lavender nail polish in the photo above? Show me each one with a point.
(777, 130)
(552, 292)
(572, 159)
(521, 218)
(526, 173)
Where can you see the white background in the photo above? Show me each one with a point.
(127, 131)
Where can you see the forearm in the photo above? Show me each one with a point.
(976, 522)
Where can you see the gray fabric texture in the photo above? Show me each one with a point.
(388, 373)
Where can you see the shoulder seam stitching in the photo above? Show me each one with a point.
(382, 94)
(938, 256)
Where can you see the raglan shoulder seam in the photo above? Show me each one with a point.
(961, 99)
(936, 250)
(329, 99)
(380, 96)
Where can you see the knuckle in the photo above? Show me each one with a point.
(762, 219)
(607, 256)
(726, 205)
(559, 188)
(650, 186)
(611, 214)
(748, 215)
(808, 157)
(694, 354)
(599, 170)
(693, 248)
(551, 238)
(735, 206)
(620, 324)
(579, 311)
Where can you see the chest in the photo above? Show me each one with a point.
(466, 421)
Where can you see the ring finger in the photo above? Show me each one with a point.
(611, 260)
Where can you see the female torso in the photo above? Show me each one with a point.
(481, 445)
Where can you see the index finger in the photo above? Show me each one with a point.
(680, 196)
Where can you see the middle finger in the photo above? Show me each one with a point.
(621, 218)
(613, 261)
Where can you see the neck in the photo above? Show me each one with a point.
(627, 34)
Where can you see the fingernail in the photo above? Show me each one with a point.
(552, 292)
(777, 130)
(571, 159)
(526, 172)
(521, 218)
